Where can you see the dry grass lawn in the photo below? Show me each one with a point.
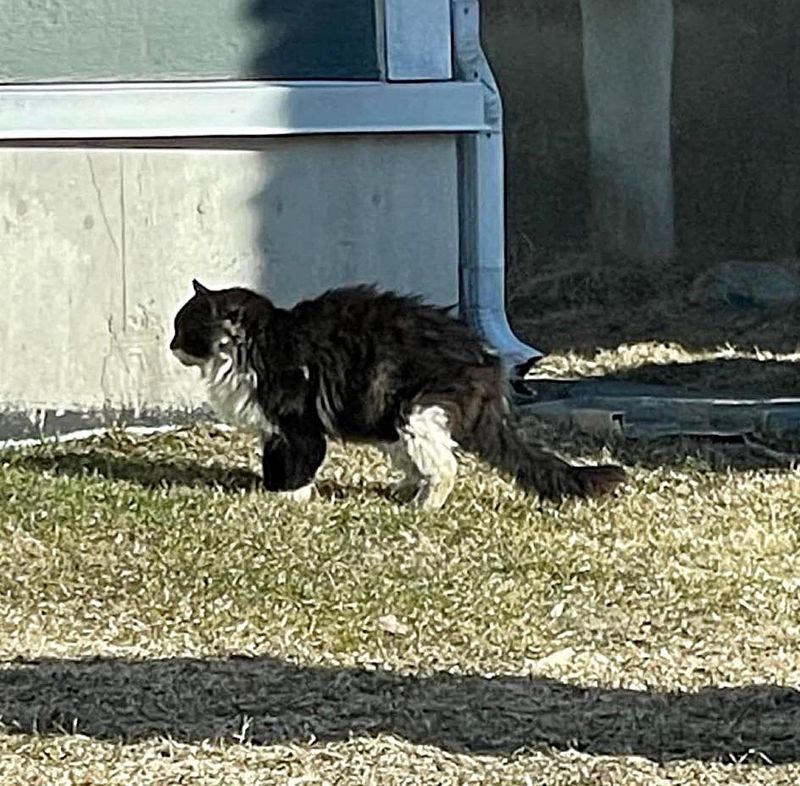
(653, 322)
(164, 622)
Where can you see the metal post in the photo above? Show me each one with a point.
(482, 200)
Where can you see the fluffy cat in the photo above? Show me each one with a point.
(361, 365)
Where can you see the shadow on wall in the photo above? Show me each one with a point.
(734, 194)
(268, 701)
(336, 209)
(293, 42)
(305, 39)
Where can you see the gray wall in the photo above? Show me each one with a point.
(735, 124)
(99, 248)
(106, 40)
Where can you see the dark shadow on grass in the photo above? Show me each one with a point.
(268, 701)
(738, 376)
(144, 471)
(333, 491)
(742, 378)
(160, 473)
(715, 455)
(561, 327)
(709, 454)
(739, 414)
(705, 454)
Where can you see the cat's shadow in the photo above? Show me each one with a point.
(147, 472)
(159, 473)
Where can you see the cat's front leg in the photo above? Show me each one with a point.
(290, 461)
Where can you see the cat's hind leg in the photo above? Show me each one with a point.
(410, 479)
(427, 446)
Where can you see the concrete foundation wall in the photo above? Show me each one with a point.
(99, 247)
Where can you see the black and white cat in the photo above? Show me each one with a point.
(359, 365)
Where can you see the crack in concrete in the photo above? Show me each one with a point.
(119, 246)
(102, 207)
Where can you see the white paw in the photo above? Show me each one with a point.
(301, 495)
(432, 496)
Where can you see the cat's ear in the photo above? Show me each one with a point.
(199, 288)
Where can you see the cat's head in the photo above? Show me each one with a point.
(208, 323)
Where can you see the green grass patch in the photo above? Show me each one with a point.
(162, 618)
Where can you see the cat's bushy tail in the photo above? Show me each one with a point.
(495, 439)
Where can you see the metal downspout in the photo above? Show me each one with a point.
(482, 200)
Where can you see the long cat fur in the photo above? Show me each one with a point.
(363, 365)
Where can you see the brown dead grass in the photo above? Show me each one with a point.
(162, 621)
(649, 322)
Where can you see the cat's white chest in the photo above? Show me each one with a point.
(232, 394)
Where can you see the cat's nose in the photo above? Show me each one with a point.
(173, 345)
